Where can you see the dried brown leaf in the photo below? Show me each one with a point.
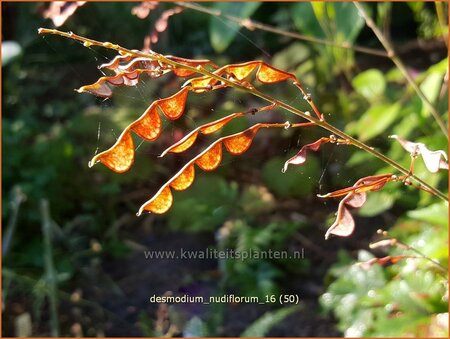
(344, 224)
(434, 160)
(184, 180)
(118, 157)
(60, 11)
(188, 140)
(210, 160)
(300, 157)
(366, 184)
(173, 106)
(160, 203)
(207, 160)
(268, 74)
(144, 8)
(149, 125)
(241, 142)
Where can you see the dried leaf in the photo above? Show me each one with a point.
(207, 160)
(240, 142)
(189, 139)
(126, 63)
(269, 75)
(143, 9)
(189, 62)
(173, 107)
(183, 144)
(300, 157)
(366, 184)
(102, 87)
(434, 160)
(355, 196)
(60, 11)
(210, 159)
(355, 200)
(185, 179)
(266, 74)
(384, 261)
(218, 124)
(115, 63)
(344, 224)
(242, 71)
(149, 125)
(163, 21)
(120, 156)
(383, 243)
(201, 84)
(161, 25)
(160, 203)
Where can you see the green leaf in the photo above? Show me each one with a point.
(377, 202)
(376, 120)
(347, 20)
(291, 56)
(222, 32)
(298, 181)
(434, 214)
(262, 325)
(305, 20)
(204, 206)
(339, 20)
(431, 87)
(370, 84)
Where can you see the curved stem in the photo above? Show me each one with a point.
(398, 62)
(255, 92)
(251, 25)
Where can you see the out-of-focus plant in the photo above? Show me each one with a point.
(404, 293)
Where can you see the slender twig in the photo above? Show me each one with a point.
(404, 246)
(18, 198)
(251, 25)
(255, 92)
(442, 20)
(398, 62)
(424, 256)
(50, 272)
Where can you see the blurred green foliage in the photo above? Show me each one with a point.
(410, 297)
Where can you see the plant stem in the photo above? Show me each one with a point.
(50, 272)
(397, 61)
(255, 92)
(422, 255)
(251, 25)
(19, 197)
(442, 20)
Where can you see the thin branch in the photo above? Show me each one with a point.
(255, 92)
(424, 256)
(50, 272)
(251, 25)
(404, 246)
(440, 12)
(397, 61)
(18, 198)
